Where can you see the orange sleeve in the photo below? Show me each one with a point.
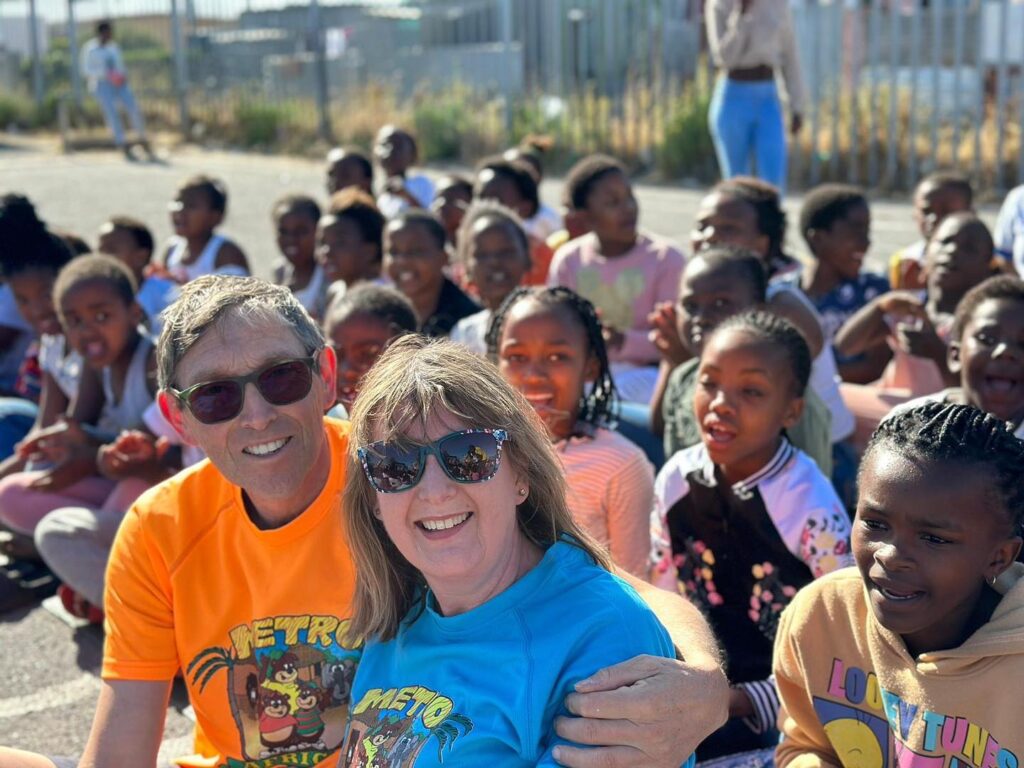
(540, 257)
(140, 642)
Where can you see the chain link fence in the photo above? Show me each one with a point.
(898, 88)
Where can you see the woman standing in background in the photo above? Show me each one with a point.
(752, 42)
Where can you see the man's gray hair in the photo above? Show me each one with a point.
(205, 300)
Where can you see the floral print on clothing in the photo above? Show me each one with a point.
(696, 573)
(767, 598)
(825, 541)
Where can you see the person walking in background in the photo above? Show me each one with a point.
(103, 65)
(752, 41)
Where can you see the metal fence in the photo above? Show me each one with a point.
(898, 87)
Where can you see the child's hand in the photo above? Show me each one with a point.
(665, 334)
(920, 340)
(132, 454)
(740, 704)
(158, 270)
(55, 444)
(905, 303)
(65, 474)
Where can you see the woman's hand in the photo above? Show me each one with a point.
(648, 711)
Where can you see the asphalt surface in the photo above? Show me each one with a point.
(50, 668)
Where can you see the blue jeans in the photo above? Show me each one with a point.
(746, 122)
(108, 94)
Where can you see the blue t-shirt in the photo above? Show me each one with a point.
(483, 688)
(838, 305)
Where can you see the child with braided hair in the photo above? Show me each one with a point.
(910, 658)
(744, 518)
(549, 344)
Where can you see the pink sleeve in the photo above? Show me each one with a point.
(630, 498)
(560, 272)
(664, 273)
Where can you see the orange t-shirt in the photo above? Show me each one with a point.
(254, 619)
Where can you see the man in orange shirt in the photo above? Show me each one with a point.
(236, 571)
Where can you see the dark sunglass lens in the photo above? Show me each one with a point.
(285, 383)
(391, 467)
(470, 458)
(216, 401)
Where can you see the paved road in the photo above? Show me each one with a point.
(49, 669)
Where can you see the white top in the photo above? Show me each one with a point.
(419, 186)
(471, 331)
(824, 372)
(64, 367)
(206, 264)
(312, 296)
(126, 413)
(544, 223)
(155, 422)
(98, 61)
(761, 36)
(1009, 232)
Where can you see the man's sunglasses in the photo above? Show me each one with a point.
(467, 456)
(281, 383)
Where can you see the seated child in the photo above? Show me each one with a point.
(745, 518)
(909, 658)
(747, 213)
(546, 221)
(396, 152)
(198, 209)
(359, 326)
(624, 273)
(915, 328)
(414, 259)
(131, 242)
(836, 225)
(95, 296)
(451, 199)
(496, 254)
(349, 167)
(349, 241)
(295, 221)
(717, 283)
(986, 351)
(18, 219)
(513, 184)
(548, 344)
(936, 196)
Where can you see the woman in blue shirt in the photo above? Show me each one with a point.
(480, 600)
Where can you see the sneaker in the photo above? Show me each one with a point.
(78, 606)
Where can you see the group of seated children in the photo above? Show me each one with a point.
(763, 384)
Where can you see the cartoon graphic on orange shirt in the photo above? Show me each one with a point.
(288, 680)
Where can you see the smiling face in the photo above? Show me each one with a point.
(296, 238)
(959, 257)
(497, 259)
(342, 251)
(990, 359)
(926, 538)
(707, 296)
(358, 341)
(612, 211)
(463, 537)
(725, 220)
(413, 259)
(544, 353)
(98, 324)
(744, 398)
(843, 245)
(33, 293)
(278, 455)
(491, 185)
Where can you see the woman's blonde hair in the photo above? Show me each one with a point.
(415, 379)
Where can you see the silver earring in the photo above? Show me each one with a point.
(522, 491)
(376, 512)
(992, 581)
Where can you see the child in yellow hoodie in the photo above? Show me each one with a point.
(914, 658)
